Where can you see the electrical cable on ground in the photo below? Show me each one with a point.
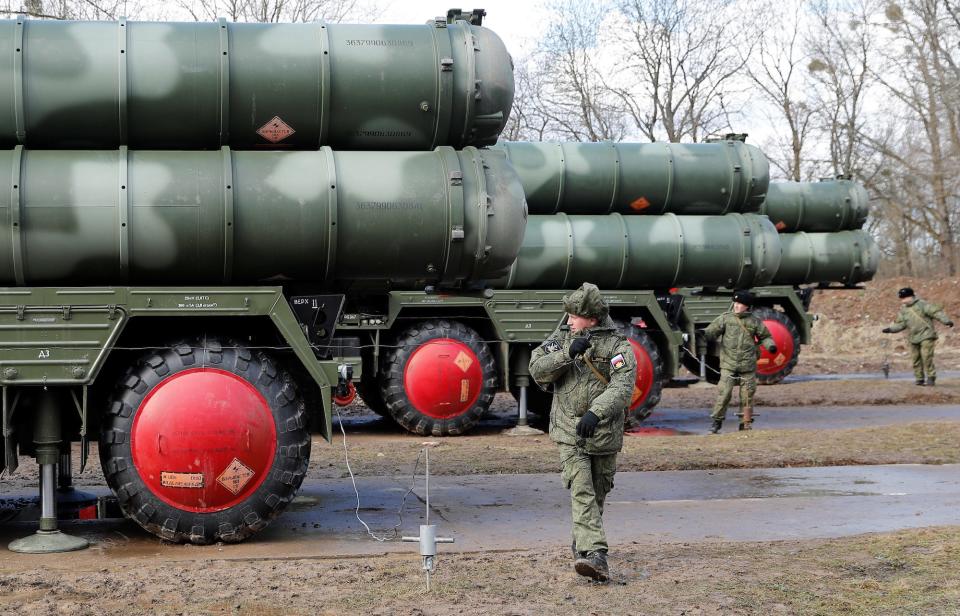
(403, 502)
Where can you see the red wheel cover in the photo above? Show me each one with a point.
(203, 440)
(645, 374)
(768, 363)
(443, 378)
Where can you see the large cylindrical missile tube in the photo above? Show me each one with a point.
(640, 178)
(829, 205)
(645, 252)
(175, 217)
(251, 85)
(847, 257)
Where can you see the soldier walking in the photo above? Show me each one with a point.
(740, 333)
(592, 369)
(917, 316)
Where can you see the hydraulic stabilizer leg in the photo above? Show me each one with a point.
(68, 497)
(47, 440)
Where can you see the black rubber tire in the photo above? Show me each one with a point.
(769, 314)
(643, 410)
(369, 390)
(395, 396)
(242, 520)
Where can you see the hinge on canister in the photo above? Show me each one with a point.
(456, 178)
(112, 312)
(66, 313)
(446, 64)
(457, 233)
(20, 310)
(474, 17)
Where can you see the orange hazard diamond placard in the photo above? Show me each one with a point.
(463, 361)
(276, 130)
(235, 476)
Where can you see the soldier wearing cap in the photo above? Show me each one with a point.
(917, 316)
(592, 369)
(740, 333)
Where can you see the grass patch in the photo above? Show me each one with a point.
(916, 443)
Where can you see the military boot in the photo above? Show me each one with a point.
(746, 423)
(931, 381)
(715, 428)
(593, 566)
(577, 553)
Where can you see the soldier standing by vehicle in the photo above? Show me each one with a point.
(917, 316)
(739, 333)
(592, 369)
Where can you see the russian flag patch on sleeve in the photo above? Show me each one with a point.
(618, 361)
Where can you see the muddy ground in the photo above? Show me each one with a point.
(909, 572)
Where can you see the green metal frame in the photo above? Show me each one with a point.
(703, 306)
(525, 316)
(63, 336)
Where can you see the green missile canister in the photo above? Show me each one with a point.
(640, 178)
(163, 85)
(113, 217)
(645, 252)
(828, 205)
(847, 257)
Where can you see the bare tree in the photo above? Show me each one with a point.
(919, 72)
(75, 9)
(526, 121)
(681, 61)
(842, 50)
(273, 11)
(777, 73)
(572, 101)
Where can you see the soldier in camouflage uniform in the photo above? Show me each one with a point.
(740, 333)
(917, 316)
(592, 369)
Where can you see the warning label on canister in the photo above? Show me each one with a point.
(276, 130)
(235, 476)
(170, 479)
(464, 390)
(463, 361)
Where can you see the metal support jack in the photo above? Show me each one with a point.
(428, 539)
(47, 439)
(703, 383)
(523, 428)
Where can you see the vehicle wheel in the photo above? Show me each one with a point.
(772, 369)
(205, 442)
(440, 379)
(649, 381)
(368, 388)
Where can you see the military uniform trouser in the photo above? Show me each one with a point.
(729, 379)
(589, 479)
(922, 355)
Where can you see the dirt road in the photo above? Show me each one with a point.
(668, 530)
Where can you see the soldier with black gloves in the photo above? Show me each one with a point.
(917, 316)
(740, 333)
(592, 369)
